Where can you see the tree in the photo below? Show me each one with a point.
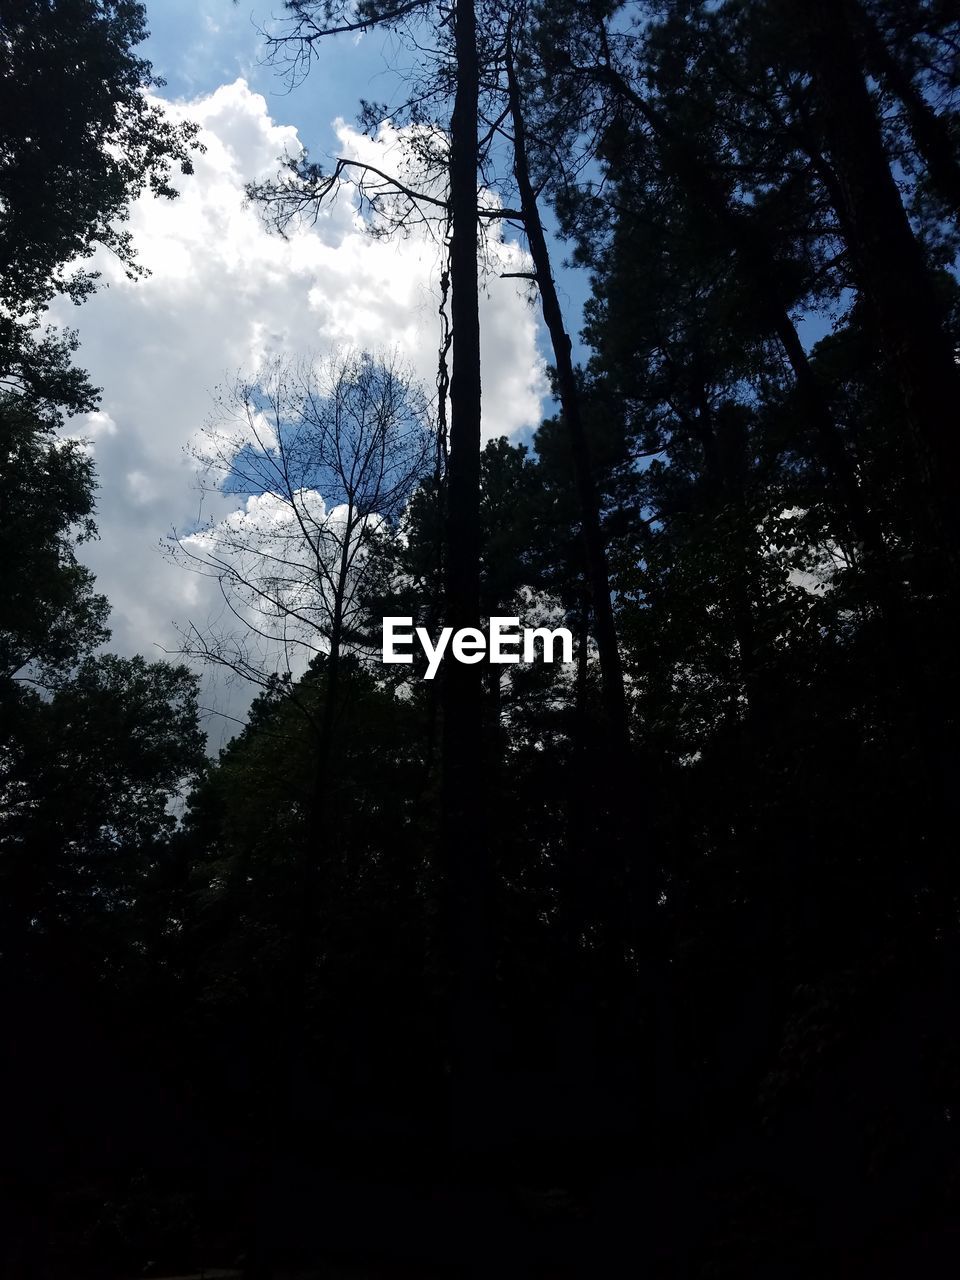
(79, 141)
(328, 453)
(90, 777)
(888, 261)
(364, 953)
(892, 58)
(51, 614)
(713, 223)
(598, 574)
(87, 778)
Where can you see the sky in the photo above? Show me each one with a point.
(225, 294)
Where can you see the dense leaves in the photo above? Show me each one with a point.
(79, 140)
(51, 615)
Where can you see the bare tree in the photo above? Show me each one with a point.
(327, 453)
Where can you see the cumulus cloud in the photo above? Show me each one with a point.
(224, 296)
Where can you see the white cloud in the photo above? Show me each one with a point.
(223, 296)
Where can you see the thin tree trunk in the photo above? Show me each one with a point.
(288, 1085)
(465, 839)
(598, 575)
(334, 661)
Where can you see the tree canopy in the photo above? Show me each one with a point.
(79, 140)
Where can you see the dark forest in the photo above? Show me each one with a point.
(644, 965)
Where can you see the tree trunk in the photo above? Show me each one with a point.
(596, 556)
(465, 839)
(931, 137)
(887, 258)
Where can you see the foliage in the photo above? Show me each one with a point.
(87, 778)
(51, 613)
(79, 141)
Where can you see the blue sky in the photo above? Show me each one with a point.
(196, 45)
